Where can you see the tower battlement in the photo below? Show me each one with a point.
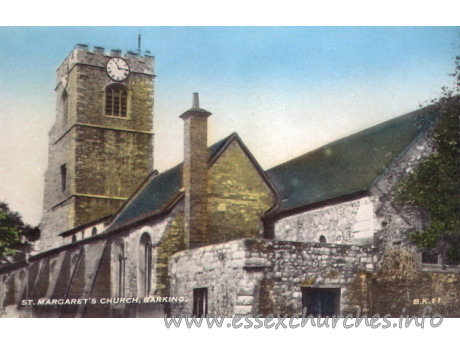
(98, 57)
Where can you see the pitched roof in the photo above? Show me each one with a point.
(158, 192)
(349, 165)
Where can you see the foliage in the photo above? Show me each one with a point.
(14, 233)
(435, 186)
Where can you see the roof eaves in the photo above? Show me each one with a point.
(281, 213)
(80, 227)
(158, 213)
(426, 110)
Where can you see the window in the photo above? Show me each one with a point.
(116, 100)
(74, 238)
(94, 231)
(429, 257)
(63, 177)
(200, 302)
(65, 107)
(145, 265)
(433, 257)
(120, 269)
(322, 239)
(321, 301)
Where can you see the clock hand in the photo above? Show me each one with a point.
(116, 63)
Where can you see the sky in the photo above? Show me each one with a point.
(284, 90)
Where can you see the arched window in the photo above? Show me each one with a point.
(65, 107)
(74, 238)
(116, 100)
(120, 269)
(145, 264)
(322, 239)
(94, 231)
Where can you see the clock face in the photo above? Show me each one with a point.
(117, 69)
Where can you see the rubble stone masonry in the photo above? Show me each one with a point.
(238, 197)
(254, 276)
(350, 222)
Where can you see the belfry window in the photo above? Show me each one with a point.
(116, 100)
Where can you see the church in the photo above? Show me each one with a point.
(216, 234)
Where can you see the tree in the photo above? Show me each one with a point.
(15, 235)
(435, 185)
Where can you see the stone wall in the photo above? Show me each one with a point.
(58, 209)
(294, 265)
(398, 220)
(110, 163)
(131, 239)
(219, 268)
(91, 83)
(350, 222)
(376, 218)
(172, 241)
(68, 273)
(55, 222)
(399, 284)
(85, 269)
(253, 276)
(238, 197)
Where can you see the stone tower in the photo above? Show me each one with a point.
(101, 144)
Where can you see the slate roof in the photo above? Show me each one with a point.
(344, 167)
(158, 192)
(349, 165)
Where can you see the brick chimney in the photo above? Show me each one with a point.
(194, 174)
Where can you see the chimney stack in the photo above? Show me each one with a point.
(194, 174)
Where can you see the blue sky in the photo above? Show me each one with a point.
(285, 90)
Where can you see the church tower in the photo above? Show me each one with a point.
(101, 144)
